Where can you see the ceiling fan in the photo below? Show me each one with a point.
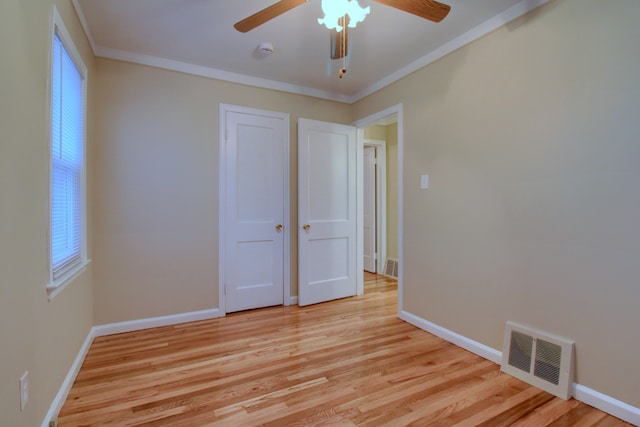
(427, 9)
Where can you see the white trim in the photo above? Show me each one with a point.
(287, 217)
(55, 286)
(598, 400)
(213, 73)
(400, 209)
(54, 289)
(472, 35)
(584, 394)
(359, 211)
(116, 328)
(222, 211)
(371, 120)
(68, 381)
(454, 338)
(85, 25)
(155, 322)
(58, 24)
(481, 30)
(293, 300)
(608, 404)
(222, 189)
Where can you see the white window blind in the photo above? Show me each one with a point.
(67, 158)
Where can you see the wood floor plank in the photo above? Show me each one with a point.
(348, 362)
(547, 413)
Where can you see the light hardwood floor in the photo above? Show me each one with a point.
(347, 362)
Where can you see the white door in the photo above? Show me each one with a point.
(254, 214)
(369, 205)
(326, 211)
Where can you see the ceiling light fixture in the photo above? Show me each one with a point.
(339, 16)
(334, 10)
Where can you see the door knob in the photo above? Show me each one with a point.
(306, 227)
(279, 227)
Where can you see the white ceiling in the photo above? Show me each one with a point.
(197, 36)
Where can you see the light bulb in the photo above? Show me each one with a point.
(335, 9)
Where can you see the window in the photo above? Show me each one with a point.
(67, 203)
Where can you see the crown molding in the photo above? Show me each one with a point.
(481, 30)
(213, 73)
(464, 39)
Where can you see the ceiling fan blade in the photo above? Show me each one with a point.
(427, 9)
(267, 14)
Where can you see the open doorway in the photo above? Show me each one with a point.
(380, 220)
(374, 195)
(382, 131)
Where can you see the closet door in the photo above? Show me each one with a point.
(326, 211)
(255, 192)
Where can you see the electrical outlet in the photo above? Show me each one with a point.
(24, 390)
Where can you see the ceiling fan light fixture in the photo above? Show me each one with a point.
(336, 9)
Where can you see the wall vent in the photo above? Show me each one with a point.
(391, 268)
(540, 359)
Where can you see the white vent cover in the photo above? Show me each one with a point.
(391, 268)
(540, 359)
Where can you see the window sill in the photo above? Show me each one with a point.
(57, 286)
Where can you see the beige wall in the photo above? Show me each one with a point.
(156, 186)
(36, 335)
(376, 132)
(530, 138)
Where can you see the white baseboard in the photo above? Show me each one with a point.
(584, 394)
(155, 322)
(468, 344)
(117, 328)
(608, 404)
(293, 300)
(62, 394)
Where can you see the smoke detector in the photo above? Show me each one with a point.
(264, 49)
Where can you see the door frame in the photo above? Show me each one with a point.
(222, 197)
(361, 124)
(381, 200)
